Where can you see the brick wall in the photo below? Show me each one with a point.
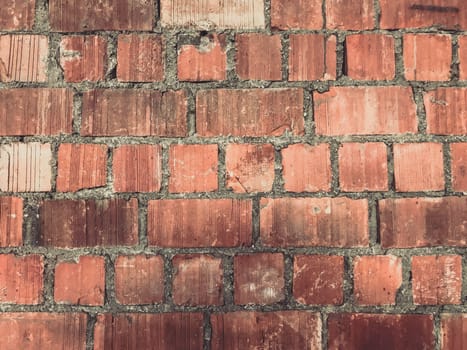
(237, 174)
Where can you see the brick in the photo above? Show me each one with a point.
(11, 221)
(423, 222)
(249, 167)
(200, 14)
(137, 168)
(446, 111)
(420, 66)
(162, 331)
(316, 48)
(258, 56)
(35, 111)
(437, 280)
(380, 331)
(88, 223)
(197, 280)
(462, 53)
(139, 279)
(81, 282)
(453, 331)
(252, 112)
(83, 58)
(83, 16)
(318, 279)
(42, 330)
(25, 167)
(377, 279)
(21, 279)
(370, 57)
(199, 223)
(306, 168)
(266, 330)
(140, 58)
(134, 112)
(301, 222)
(418, 166)
(81, 166)
(349, 15)
(365, 110)
(296, 14)
(23, 58)
(206, 61)
(17, 14)
(459, 166)
(448, 14)
(259, 278)
(363, 167)
(193, 168)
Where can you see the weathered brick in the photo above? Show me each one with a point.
(296, 14)
(453, 331)
(17, 14)
(348, 14)
(462, 53)
(11, 221)
(459, 166)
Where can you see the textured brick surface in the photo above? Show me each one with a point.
(11, 221)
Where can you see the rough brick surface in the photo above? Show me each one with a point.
(453, 331)
(11, 221)
(459, 166)
(296, 14)
(17, 14)
(462, 42)
(349, 14)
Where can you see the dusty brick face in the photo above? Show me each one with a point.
(17, 14)
(462, 52)
(349, 14)
(459, 166)
(296, 14)
(453, 331)
(11, 221)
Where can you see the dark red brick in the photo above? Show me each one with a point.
(11, 221)
(453, 331)
(17, 14)
(297, 14)
(350, 15)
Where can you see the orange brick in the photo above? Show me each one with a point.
(11, 221)
(462, 42)
(296, 14)
(350, 15)
(453, 331)
(17, 14)
(459, 166)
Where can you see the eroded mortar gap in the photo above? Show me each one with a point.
(90, 325)
(454, 71)
(207, 331)
(285, 50)
(142, 221)
(168, 277)
(109, 275)
(399, 57)
(221, 169)
(228, 280)
(390, 163)
(421, 112)
(288, 278)
(256, 239)
(334, 148)
(308, 114)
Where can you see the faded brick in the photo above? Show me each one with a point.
(11, 221)
(350, 15)
(17, 14)
(459, 166)
(297, 14)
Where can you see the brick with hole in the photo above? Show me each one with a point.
(11, 221)
(21, 279)
(137, 168)
(350, 15)
(377, 279)
(453, 331)
(259, 278)
(17, 14)
(193, 168)
(459, 166)
(83, 58)
(206, 61)
(318, 279)
(437, 280)
(81, 166)
(306, 168)
(296, 14)
(191, 223)
(249, 167)
(197, 280)
(80, 282)
(462, 53)
(139, 279)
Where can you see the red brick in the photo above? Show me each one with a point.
(297, 14)
(88, 223)
(300, 222)
(363, 167)
(306, 168)
(25, 167)
(259, 278)
(81, 166)
(193, 168)
(212, 14)
(266, 330)
(418, 166)
(204, 62)
(462, 52)
(423, 222)
(83, 16)
(199, 223)
(437, 280)
(41, 330)
(134, 112)
(316, 48)
(140, 58)
(139, 279)
(318, 279)
(370, 57)
(459, 166)
(365, 111)
(23, 58)
(21, 279)
(380, 331)
(377, 279)
(81, 282)
(83, 58)
(348, 14)
(446, 111)
(453, 331)
(35, 111)
(162, 331)
(258, 56)
(11, 221)
(197, 280)
(17, 14)
(249, 168)
(137, 168)
(448, 14)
